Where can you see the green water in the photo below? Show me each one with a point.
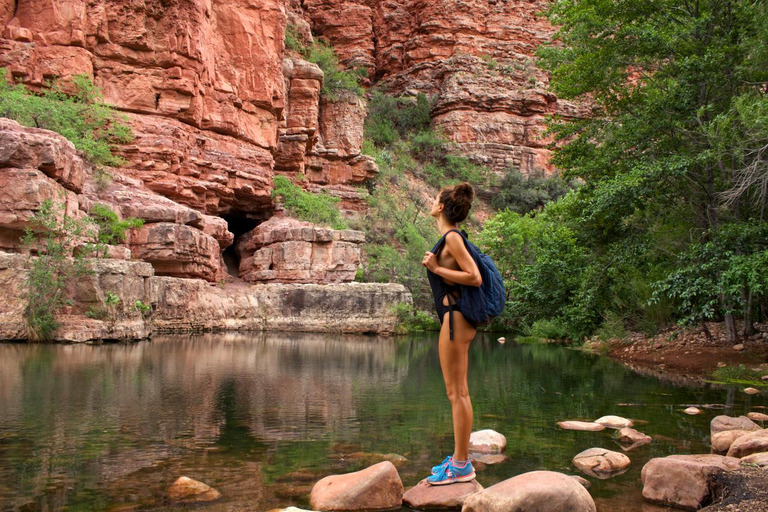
(262, 417)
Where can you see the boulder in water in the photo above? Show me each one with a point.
(487, 441)
(684, 481)
(537, 491)
(589, 426)
(601, 463)
(425, 496)
(187, 490)
(614, 422)
(753, 442)
(376, 487)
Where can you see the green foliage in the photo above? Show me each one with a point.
(293, 39)
(522, 194)
(319, 208)
(390, 118)
(53, 235)
(111, 228)
(335, 79)
(738, 375)
(411, 321)
(144, 309)
(79, 115)
(548, 329)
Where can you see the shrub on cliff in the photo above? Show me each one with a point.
(319, 208)
(80, 115)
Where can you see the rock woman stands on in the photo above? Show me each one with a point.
(450, 267)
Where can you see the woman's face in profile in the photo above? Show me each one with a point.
(437, 206)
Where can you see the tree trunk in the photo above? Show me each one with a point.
(730, 328)
(706, 330)
(749, 328)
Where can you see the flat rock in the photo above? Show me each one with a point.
(487, 441)
(692, 411)
(757, 416)
(537, 491)
(683, 481)
(753, 442)
(722, 441)
(723, 423)
(751, 391)
(376, 487)
(614, 422)
(631, 436)
(187, 490)
(761, 459)
(601, 463)
(426, 496)
(588, 426)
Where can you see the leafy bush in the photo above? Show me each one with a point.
(81, 117)
(111, 228)
(391, 118)
(318, 208)
(53, 235)
(335, 79)
(522, 194)
(293, 39)
(410, 320)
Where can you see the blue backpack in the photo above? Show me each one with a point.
(479, 304)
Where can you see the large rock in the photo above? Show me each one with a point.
(177, 250)
(187, 490)
(722, 423)
(487, 441)
(614, 422)
(684, 481)
(376, 487)
(601, 463)
(292, 251)
(722, 441)
(753, 442)
(33, 148)
(537, 491)
(425, 496)
(760, 459)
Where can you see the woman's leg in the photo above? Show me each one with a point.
(454, 358)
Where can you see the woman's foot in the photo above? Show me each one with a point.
(439, 467)
(453, 472)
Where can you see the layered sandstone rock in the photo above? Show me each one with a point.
(424, 496)
(288, 250)
(373, 488)
(192, 305)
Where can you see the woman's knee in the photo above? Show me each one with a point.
(456, 393)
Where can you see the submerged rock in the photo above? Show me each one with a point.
(537, 491)
(757, 416)
(426, 496)
(376, 487)
(633, 437)
(614, 422)
(187, 490)
(589, 426)
(751, 391)
(692, 411)
(487, 441)
(601, 463)
(487, 458)
(683, 481)
(753, 442)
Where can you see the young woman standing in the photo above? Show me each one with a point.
(450, 267)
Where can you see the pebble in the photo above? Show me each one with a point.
(692, 411)
(751, 391)
(764, 377)
(502, 340)
(721, 364)
(740, 346)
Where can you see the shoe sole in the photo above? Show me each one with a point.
(466, 478)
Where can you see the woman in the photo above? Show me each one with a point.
(450, 267)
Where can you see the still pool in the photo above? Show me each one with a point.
(261, 417)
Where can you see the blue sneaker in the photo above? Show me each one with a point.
(439, 467)
(451, 474)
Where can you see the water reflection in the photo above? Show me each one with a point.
(261, 417)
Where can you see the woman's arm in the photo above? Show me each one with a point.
(468, 275)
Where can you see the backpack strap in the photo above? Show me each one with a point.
(451, 298)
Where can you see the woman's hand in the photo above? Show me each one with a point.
(430, 261)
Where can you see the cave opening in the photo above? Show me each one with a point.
(238, 223)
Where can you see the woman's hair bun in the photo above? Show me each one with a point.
(463, 192)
